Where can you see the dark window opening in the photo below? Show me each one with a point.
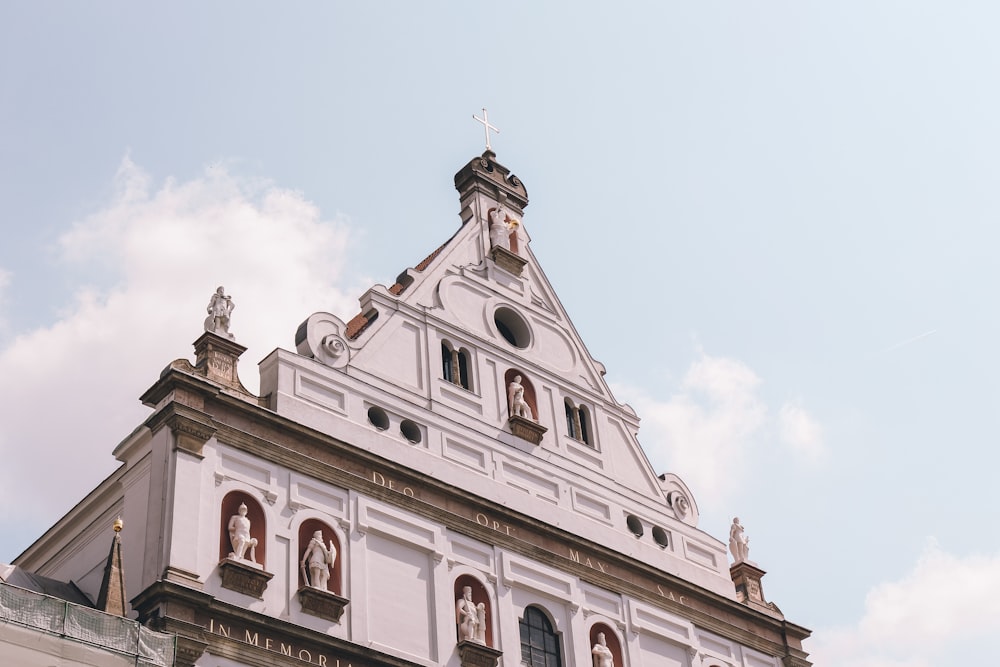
(539, 644)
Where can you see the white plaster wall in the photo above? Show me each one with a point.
(470, 454)
(25, 647)
(658, 652)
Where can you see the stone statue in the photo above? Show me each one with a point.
(481, 626)
(499, 230)
(239, 536)
(318, 558)
(515, 400)
(602, 654)
(739, 544)
(220, 307)
(467, 616)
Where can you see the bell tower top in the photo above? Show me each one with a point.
(490, 180)
(485, 184)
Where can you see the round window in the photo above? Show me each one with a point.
(410, 431)
(512, 327)
(378, 418)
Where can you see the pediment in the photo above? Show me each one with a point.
(454, 332)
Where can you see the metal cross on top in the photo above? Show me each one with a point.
(485, 120)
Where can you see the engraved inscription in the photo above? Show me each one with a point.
(493, 524)
(592, 563)
(392, 485)
(278, 646)
(670, 595)
(221, 365)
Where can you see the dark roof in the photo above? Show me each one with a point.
(360, 322)
(46, 586)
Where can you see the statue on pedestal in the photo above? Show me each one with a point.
(515, 400)
(500, 229)
(471, 618)
(318, 557)
(220, 307)
(239, 536)
(739, 543)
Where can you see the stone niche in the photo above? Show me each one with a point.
(324, 602)
(243, 572)
(476, 651)
(522, 422)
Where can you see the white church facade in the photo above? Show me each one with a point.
(443, 479)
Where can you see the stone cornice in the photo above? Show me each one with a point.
(192, 428)
(247, 636)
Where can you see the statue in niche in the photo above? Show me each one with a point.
(481, 626)
(471, 618)
(739, 543)
(602, 654)
(515, 400)
(239, 536)
(220, 307)
(500, 230)
(318, 557)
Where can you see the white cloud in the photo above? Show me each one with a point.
(705, 428)
(800, 432)
(71, 388)
(709, 429)
(947, 607)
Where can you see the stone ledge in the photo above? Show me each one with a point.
(507, 260)
(324, 604)
(243, 578)
(474, 654)
(527, 429)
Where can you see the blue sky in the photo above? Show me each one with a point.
(773, 222)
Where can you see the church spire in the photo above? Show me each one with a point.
(495, 198)
(485, 176)
(111, 599)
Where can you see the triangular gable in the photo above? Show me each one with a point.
(451, 300)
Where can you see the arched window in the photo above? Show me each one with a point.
(463, 369)
(539, 643)
(570, 419)
(455, 366)
(578, 423)
(584, 425)
(447, 372)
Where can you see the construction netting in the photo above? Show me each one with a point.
(83, 624)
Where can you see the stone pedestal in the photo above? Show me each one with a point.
(474, 654)
(323, 604)
(507, 260)
(746, 577)
(244, 577)
(526, 429)
(217, 358)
